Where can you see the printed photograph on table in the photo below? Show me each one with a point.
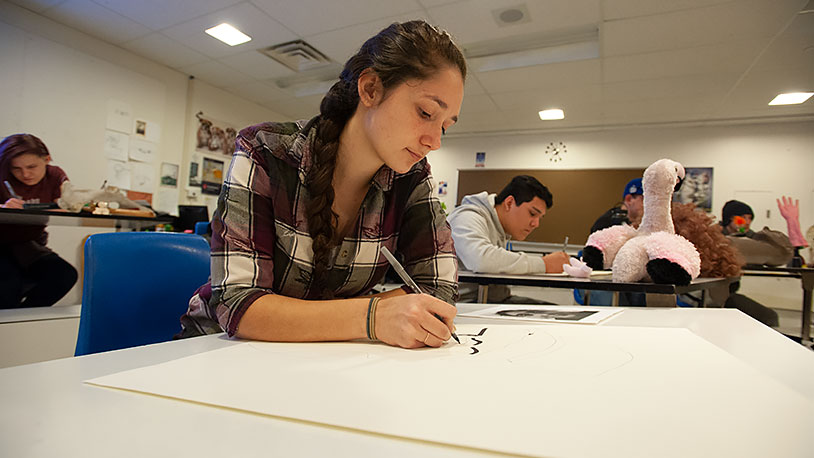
(214, 137)
(697, 188)
(212, 176)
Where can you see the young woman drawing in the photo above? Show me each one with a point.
(306, 207)
(31, 275)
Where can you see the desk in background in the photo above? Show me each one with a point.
(48, 411)
(63, 218)
(715, 290)
(806, 276)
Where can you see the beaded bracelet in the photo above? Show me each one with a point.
(371, 317)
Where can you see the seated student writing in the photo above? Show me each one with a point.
(31, 275)
(306, 207)
(484, 223)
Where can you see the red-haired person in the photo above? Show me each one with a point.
(31, 275)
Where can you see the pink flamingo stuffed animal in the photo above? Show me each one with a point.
(653, 252)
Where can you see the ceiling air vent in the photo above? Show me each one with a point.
(297, 55)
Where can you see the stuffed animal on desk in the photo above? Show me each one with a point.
(653, 252)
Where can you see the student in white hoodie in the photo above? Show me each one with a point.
(484, 223)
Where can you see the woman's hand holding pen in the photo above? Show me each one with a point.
(554, 261)
(414, 320)
(13, 203)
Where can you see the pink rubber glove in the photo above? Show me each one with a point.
(790, 210)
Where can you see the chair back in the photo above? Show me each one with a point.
(136, 287)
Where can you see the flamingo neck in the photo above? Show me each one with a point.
(657, 216)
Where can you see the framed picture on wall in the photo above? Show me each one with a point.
(212, 176)
(697, 188)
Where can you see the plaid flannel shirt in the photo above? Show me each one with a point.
(261, 243)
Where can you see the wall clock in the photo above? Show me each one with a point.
(555, 151)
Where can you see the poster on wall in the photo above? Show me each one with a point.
(169, 174)
(142, 150)
(480, 159)
(697, 188)
(142, 177)
(212, 176)
(214, 137)
(118, 174)
(148, 130)
(195, 170)
(119, 116)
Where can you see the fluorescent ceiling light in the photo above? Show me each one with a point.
(531, 57)
(554, 113)
(228, 34)
(791, 98)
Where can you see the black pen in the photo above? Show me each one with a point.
(406, 279)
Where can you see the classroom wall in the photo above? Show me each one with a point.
(55, 82)
(752, 162)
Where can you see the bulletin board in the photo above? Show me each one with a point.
(580, 196)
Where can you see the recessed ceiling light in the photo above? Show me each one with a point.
(228, 34)
(791, 98)
(554, 113)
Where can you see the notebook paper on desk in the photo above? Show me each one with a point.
(533, 390)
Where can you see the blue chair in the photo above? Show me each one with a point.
(137, 285)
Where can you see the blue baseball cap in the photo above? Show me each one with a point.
(634, 187)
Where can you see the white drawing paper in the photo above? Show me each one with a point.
(166, 200)
(119, 116)
(142, 177)
(116, 145)
(548, 314)
(142, 150)
(118, 174)
(533, 390)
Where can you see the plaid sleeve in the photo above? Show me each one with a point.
(425, 242)
(242, 237)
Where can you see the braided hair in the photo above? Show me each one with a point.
(402, 51)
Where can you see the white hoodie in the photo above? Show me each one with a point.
(480, 239)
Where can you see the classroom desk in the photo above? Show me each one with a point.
(658, 295)
(64, 218)
(48, 411)
(806, 276)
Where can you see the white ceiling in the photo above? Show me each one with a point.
(660, 61)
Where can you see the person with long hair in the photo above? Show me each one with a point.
(306, 207)
(31, 275)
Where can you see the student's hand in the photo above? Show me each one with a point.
(554, 261)
(410, 321)
(13, 203)
(789, 209)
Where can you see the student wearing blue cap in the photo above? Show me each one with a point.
(630, 209)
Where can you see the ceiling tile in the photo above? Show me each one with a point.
(96, 20)
(744, 21)
(159, 14)
(729, 58)
(578, 73)
(38, 6)
(250, 20)
(478, 23)
(342, 43)
(257, 65)
(545, 98)
(310, 17)
(618, 9)
(165, 50)
(477, 103)
(707, 85)
(216, 74)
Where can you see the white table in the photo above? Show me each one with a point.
(48, 411)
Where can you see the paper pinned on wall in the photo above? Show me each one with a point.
(116, 145)
(143, 151)
(150, 131)
(532, 390)
(167, 201)
(118, 174)
(119, 116)
(142, 177)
